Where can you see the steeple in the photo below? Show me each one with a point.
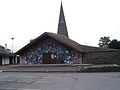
(62, 28)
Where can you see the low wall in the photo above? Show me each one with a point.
(111, 57)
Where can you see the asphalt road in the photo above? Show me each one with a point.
(59, 81)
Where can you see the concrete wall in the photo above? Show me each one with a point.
(102, 58)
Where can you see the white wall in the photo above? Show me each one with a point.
(5, 60)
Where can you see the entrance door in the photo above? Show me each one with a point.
(47, 59)
(0, 60)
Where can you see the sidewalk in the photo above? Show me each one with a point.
(42, 68)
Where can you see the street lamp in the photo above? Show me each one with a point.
(12, 43)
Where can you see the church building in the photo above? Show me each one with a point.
(51, 48)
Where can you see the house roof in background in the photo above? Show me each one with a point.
(5, 52)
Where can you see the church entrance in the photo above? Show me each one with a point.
(48, 59)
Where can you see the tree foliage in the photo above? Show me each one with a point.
(104, 42)
(31, 40)
(115, 44)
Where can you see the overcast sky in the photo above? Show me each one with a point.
(87, 20)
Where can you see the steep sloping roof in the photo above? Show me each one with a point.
(77, 46)
(66, 41)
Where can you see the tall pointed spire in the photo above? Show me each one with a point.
(62, 28)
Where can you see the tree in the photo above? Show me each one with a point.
(31, 40)
(115, 44)
(104, 42)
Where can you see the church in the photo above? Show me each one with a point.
(51, 48)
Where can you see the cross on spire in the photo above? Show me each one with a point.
(62, 28)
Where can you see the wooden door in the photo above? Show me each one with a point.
(47, 59)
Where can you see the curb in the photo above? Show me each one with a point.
(43, 71)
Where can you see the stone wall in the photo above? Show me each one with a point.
(112, 57)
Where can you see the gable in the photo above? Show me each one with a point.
(58, 38)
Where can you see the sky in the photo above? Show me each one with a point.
(87, 20)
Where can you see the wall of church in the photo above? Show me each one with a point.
(62, 53)
(102, 58)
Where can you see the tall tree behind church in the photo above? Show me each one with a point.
(104, 42)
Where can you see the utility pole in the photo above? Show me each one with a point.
(12, 43)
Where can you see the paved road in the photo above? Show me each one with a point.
(59, 81)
